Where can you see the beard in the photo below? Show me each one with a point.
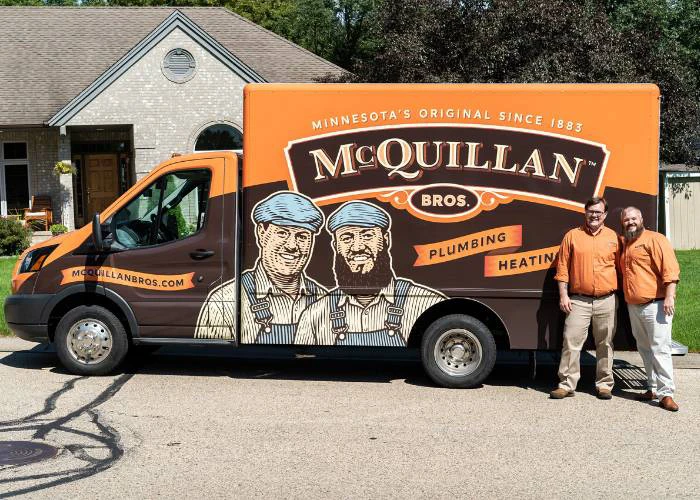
(631, 235)
(369, 283)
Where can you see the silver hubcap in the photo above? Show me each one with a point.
(89, 341)
(458, 352)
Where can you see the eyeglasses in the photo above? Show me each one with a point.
(596, 213)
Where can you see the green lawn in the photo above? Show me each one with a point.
(686, 324)
(6, 265)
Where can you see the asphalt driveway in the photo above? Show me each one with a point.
(198, 423)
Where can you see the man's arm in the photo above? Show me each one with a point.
(667, 264)
(670, 299)
(564, 300)
(562, 275)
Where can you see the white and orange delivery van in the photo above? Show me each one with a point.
(417, 216)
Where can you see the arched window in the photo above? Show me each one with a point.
(218, 137)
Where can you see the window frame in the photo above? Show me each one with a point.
(214, 124)
(3, 184)
(112, 222)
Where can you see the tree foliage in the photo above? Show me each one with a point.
(655, 41)
(652, 41)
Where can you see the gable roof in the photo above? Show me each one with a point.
(50, 55)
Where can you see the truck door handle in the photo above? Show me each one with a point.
(200, 254)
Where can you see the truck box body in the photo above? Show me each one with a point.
(481, 215)
(361, 214)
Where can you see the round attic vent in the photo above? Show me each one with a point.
(179, 65)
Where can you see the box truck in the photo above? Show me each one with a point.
(416, 216)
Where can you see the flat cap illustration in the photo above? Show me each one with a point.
(289, 209)
(360, 214)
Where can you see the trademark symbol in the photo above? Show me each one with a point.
(592, 164)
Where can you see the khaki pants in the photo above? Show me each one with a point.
(602, 315)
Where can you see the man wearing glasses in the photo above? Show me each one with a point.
(587, 279)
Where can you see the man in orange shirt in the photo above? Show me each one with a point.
(587, 284)
(650, 273)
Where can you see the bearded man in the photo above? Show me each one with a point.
(650, 273)
(370, 306)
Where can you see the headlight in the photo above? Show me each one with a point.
(35, 259)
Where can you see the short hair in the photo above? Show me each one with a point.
(627, 209)
(594, 201)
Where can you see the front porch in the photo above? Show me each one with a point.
(103, 161)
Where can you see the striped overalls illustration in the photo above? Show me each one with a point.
(389, 336)
(273, 333)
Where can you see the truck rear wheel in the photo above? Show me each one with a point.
(90, 340)
(458, 351)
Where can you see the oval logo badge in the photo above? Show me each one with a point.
(444, 200)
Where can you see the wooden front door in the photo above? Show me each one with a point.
(102, 182)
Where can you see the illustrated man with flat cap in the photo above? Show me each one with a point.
(276, 291)
(370, 306)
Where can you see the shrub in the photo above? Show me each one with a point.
(182, 226)
(58, 229)
(14, 238)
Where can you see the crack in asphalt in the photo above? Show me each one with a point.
(107, 438)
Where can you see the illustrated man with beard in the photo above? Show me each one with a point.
(370, 306)
(650, 273)
(276, 291)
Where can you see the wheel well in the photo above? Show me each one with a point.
(461, 306)
(85, 299)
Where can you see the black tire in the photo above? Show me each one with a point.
(458, 351)
(100, 356)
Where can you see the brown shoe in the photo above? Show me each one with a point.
(603, 394)
(647, 396)
(560, 393)
(667, 403)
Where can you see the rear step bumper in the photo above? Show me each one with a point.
(678, 349)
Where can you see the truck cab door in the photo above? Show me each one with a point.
(173, 247)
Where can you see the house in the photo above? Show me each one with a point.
(115, 91)
(679, 204)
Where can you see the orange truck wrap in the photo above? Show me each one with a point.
(361, 215)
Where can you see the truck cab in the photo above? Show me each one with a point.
(139, 273)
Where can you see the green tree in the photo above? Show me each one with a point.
(663, 44)
(548, 41)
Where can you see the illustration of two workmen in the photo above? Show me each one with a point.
(280, 304)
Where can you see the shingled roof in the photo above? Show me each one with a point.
(51, 54)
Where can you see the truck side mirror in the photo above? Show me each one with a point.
(100, 244)
(97, 232)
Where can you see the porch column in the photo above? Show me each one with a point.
(65, 205)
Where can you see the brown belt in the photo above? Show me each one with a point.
(658, 299)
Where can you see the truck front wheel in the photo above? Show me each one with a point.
(90, 340)
(458, 351)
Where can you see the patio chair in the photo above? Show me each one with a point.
(40, 210)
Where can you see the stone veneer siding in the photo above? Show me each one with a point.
(167, 116)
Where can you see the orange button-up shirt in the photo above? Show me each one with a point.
(648, 265)
(587, 261)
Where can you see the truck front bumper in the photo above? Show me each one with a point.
(23, 314)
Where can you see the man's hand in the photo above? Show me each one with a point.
(670, 300)
(564, 300)
(565, 303)
(669, 306)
